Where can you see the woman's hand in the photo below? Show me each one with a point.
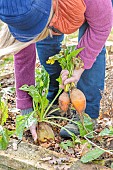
(33, 132)
(75, 77)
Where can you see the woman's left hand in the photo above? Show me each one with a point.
(33, 132)
(75, 77)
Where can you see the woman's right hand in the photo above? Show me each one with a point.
(74, 79)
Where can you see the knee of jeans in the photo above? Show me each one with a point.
(93, 106)
(92, 93)
(93, 111)
(94, 97)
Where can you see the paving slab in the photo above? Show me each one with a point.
(32, 157)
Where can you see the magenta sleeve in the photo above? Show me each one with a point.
(99, 15)
(24, 64)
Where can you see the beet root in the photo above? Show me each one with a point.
(78, 100)
(64, 101)
(44, 132)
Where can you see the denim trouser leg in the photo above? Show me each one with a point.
(92, 81)
(46, 48)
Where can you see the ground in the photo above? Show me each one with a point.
(105, 120)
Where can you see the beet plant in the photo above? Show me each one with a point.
(72, 97)
(41, 109)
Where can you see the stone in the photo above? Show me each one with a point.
(31, 157)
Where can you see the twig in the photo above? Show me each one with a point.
(108, 151)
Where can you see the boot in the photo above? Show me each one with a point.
(72, 127)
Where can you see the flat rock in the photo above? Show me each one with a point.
(32, 157)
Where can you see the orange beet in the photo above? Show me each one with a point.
(78, 100)
(64, 101)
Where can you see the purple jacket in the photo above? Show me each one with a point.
(99, 16)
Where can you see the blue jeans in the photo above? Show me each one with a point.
(46, 48)
(112, 2)
(91, 81)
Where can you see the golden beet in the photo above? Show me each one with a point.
(44, 132)
(78, 100)
(64, 101)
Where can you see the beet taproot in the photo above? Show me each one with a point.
(64, 101)
(44, 132)
(78, 100)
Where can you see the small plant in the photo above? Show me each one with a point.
(5, 134)
(69, 143)
(41, 108)
(40, 105)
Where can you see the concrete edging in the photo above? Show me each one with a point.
(32, 157)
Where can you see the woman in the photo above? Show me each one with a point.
(94, 21)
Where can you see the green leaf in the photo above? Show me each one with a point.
(24, 121)
(59, 79)
(39, 92)
(87, 128)
(42, 79)
(63, 63)
(92, 155)
(3, 112)
(77, 141)
(100, 162)
(73, 54)
(65, 145)
(111, 130)
(4, 137)
(106, 132)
